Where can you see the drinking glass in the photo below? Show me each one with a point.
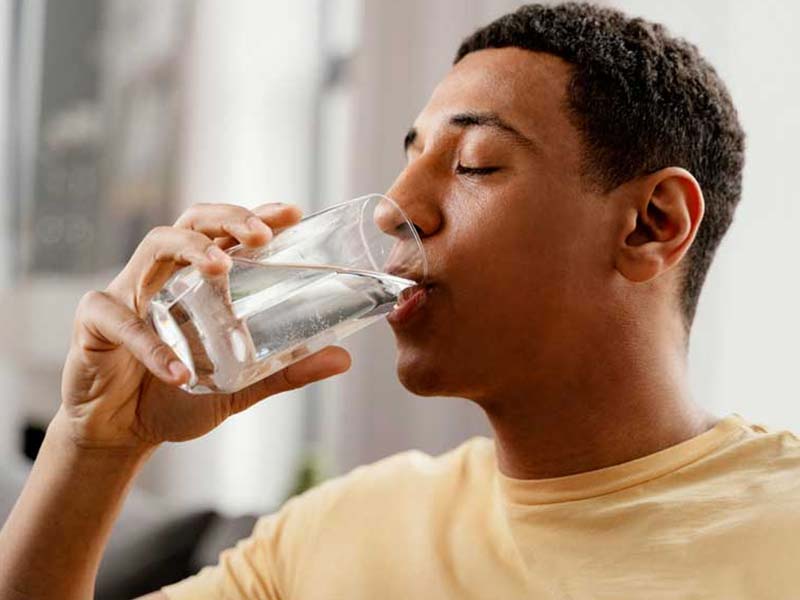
(316, 282)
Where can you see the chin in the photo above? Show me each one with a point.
(419, 374)
(426, 372)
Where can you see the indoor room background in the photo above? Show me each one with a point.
(115, 116)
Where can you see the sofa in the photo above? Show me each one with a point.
(152, 543)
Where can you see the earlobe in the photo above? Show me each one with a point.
(661, 222)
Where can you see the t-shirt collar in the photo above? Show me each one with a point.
(614, 478)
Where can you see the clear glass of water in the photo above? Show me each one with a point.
(316, 282)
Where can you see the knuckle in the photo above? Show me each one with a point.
(157, 233)
(235, 213)
(88, 315)
(155, 240)
(288, 379)
(89, 302)
(160, 354)
(191, 213)
(206, 246)
(132, 328)
(194, 246)
(236, 223)
(161, 242)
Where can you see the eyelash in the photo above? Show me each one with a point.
(462, 170)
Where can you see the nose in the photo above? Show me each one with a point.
(414, 194)
(403, 255)
(391, 219)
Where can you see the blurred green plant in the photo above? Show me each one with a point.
(311, 471)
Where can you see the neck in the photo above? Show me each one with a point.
(605, 406)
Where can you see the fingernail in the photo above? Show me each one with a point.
(217, 254)
(178, 369)
(256, 225)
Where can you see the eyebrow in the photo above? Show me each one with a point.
(476, 119)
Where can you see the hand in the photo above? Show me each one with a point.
(119, 381)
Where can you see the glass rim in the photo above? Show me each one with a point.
(409, 222)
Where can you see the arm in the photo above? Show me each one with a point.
(51, 544)
(120, 400)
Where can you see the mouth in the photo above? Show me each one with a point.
(409, 303)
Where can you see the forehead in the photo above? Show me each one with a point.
(524, 88)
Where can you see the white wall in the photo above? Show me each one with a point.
(8, 407)
(5, 184)
(745, 351)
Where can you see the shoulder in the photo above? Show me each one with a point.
(758, 484)
(471, 458)
(411, 472)
(760, 465)
(761, 448)
(383, 498)
(390, 484)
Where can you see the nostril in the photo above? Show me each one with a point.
(402, 231)
(416, 230)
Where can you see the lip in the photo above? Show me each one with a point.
(409, 304)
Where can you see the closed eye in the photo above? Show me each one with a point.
(465, 170)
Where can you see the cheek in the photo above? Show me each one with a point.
(522, 259)
(493, 242)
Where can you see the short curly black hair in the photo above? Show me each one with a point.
(642, 100)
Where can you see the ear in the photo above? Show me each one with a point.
(660, 224)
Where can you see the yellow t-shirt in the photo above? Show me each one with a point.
(717, 516)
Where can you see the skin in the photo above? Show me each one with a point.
(579, 364)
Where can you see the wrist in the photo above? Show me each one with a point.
(66, 433)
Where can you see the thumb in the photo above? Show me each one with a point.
(325, 363)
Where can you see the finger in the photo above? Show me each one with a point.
(236, 222)
(327, 362)
(156, 259)
(276, 215)
(109, 323)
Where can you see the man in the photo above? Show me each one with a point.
(571, 178)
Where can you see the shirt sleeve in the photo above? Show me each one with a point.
(248, 571)
(275, 562)
(264, 565)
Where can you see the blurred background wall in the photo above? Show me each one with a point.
(115, 116)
